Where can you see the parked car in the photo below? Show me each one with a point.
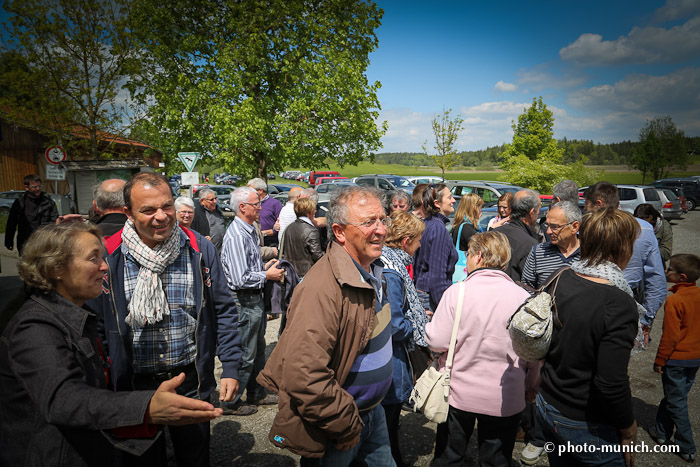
(387, 183)
(417, 180)
(314, 174)
(690, 186)
(325, 190)
(322, 180)
(489, 191)
(671, 205)
(632, 196)
(681, 197)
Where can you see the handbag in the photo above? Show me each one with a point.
(530, 327)
(431, 393)
(460, 272)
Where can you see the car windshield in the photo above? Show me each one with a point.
(401, 182)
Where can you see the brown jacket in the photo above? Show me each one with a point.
(330, 321)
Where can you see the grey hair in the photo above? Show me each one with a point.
(572, 213)
(204, 192)
(258, 184)
(183, 201)
(311, 193)
(241, 195)
(401, 194)
(108, 199)
(340, 201)
(566, 190)
(521, 205)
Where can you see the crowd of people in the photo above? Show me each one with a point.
(125, 315)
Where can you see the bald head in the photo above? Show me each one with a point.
(108, 196)
(525, 206)
(294, 193)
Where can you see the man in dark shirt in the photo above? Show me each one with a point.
(108, 202)
(31, 210)
(522, 230)
(208, 218)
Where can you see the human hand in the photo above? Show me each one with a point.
(628, 436)
(658, 368)
(272, 272)
(503, 221)
(208, 237)
(228, 390)
(274, 248)
(69, 218)
(168, 408)
(276, 226)
(349, 444)
(646, 330)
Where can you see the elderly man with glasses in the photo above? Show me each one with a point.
(332, 365)
(246, 276)
(208, 218)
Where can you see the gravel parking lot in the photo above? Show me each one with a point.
(243, 441)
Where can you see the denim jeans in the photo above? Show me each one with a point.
(560, 430)
(374, 448)
(252, 324)
(673, 408)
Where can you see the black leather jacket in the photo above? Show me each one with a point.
(55, 408)
(302, 246)
(46, 213)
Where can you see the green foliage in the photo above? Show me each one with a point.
(663, 146)
(446, 131)
(534, 159)
(64, 64)
(262, 84)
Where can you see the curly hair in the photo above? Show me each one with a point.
(49, 251)
(403, 224)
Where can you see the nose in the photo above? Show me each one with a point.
(103, 265)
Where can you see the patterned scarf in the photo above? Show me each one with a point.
(397, 260)
(613, 273)
(148, 303)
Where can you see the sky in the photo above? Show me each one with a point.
(602, 67)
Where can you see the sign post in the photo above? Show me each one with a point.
(54, 171)
(189, 159)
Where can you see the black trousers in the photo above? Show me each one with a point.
(190, 442)
(496, 437)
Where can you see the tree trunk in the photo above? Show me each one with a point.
(261, 162)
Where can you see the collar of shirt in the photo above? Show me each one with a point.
(374, 277)
(306, 219)
(244, 225)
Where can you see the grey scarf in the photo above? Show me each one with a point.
(396, 260)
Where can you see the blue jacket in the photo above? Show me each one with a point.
(217, 320)
(401, 332)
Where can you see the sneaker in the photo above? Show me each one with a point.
(689, 457)
(240, 409)
(270, 399)
(531, 454)
(655, 436)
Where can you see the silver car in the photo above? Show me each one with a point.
(632, 196)
(671, 204)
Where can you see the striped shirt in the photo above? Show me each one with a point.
(371, 373)
(543, 260)
(240, 257)
(169, 343)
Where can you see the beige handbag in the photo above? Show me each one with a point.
(431, 392)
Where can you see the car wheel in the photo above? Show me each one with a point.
(690, 203)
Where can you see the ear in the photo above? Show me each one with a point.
(128, 213)
(683, 277)
(339, 233)
(575, 226)
(404, 243)
(94, 206)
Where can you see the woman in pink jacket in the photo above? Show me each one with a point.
(488, 378)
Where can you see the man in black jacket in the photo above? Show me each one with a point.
(31, 210)
(522, 230)
(208, 218)
(108, 202)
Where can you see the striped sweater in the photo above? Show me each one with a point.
(543, 260)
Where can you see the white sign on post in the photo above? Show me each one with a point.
(55, 172)
(189, 159)
(189, 178)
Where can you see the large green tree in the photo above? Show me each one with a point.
(64, 65)
(663, 147)
(262, 84)
(446, 131)
(534, 160)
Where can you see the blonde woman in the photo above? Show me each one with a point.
(467, 217)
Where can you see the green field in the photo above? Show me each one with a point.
(615, 174)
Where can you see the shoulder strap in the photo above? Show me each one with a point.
(554, 278)
(459, 237)
(455, 327)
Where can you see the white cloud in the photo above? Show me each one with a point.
(539, 78)
(674, 9)
(642, 45)
(502, 86)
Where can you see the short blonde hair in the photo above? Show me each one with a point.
(608, 235)
(49, 251)
(403, 224)
(494, 248)
(304, 207)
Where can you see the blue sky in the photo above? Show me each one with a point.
(602, 67)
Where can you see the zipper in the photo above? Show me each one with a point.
(196, 329)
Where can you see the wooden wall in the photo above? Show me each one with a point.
(19, 152)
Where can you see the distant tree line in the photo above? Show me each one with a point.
(595, 154)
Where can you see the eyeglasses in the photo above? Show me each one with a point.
(211, 199)
(257, 205)
(557, 228)
(372, 224)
